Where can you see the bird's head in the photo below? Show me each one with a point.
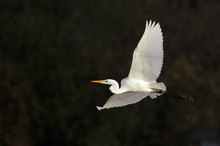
(114, 87)
(106, 81)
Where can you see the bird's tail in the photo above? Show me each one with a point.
(157, 89)
(158, 86)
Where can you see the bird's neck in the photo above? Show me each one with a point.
(114, 88)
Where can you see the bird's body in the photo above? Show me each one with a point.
(128, 84)
(135, 85)
(132, 85)
(145, 68)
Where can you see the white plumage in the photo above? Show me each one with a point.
(148, 56)
(117, 100)
(145, 69)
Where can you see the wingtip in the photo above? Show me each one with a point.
(151, 23)
(99, 108)
(146, 23)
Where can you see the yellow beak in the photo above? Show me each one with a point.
(97, 81)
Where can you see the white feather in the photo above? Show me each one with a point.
(117, 100)
(148, 56)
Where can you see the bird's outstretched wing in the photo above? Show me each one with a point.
(123, 99)
(148, 56)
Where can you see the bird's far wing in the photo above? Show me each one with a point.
(123, 99)
(148, 56)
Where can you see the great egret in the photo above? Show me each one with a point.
(145, 68)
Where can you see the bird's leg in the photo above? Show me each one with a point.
(182, 97)
(154, 90)
(172, 95)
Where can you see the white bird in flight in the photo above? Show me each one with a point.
(145, 69)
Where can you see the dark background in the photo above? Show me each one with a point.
(51, 49)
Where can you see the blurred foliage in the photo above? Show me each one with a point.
(49, 50)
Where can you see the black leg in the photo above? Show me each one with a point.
(178, 96)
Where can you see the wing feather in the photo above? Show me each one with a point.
(148, 56)
(123, 99)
